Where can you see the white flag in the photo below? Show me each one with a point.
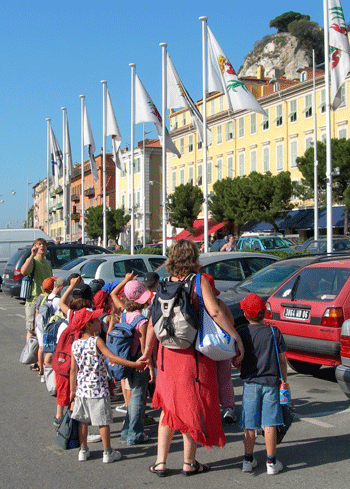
(56, 158)
(178, 97)
(146, 111)
(113, 130)
(222, 78)
(90, 143)
(69, 160)
(339, 50)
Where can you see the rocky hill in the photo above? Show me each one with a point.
(280, 51)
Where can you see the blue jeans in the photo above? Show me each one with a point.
(260, 406)
(132, 431)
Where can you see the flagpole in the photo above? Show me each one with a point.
(64, 161)
(133, 67)
(315, 149)
(82, 101)
(47, 175)
(164, 105)
(143, 175)
(204, 20)
(104, 211)
(328, 129)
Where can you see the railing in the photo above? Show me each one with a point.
(75, 216)
(89, 191)
(75, 197)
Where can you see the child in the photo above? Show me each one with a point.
(260, 373)
(89, 385)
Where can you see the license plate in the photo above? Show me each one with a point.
(302, 314)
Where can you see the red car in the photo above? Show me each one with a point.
(309, 309)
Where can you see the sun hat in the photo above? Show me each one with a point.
(83, 316)
(61, 282)
(211, 281)
(137, 292)
(81, 291)
(49, 283)
(253, 306)
(109, 286)
(99, 299)
(150, 279)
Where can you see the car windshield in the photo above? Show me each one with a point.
(273, 243)
(267, 280)
(315, 284)
(162, 272)
(73, 263)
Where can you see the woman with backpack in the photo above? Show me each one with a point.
(186, 387)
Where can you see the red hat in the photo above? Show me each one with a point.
(253, 306)
(83, 316)
(99, 299)
(211, 281)
(49, 283)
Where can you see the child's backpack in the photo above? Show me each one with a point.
(119, 342)
(50, 332)
(44, 313)
(175, 320)
(61, 360)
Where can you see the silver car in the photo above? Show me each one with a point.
(228, 269)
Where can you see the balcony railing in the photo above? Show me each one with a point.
(89, 191)
(59, 190)
(75, 216)
(75, 197)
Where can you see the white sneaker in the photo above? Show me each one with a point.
(121, 408)
(93, 438)
(273, 469)
(111, 457)
(83, 455)
(229, 416)
(249, 466)
(42, 379)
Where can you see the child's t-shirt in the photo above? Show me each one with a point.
(130, 316)
(92, 374)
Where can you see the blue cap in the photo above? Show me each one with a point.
(109, 286)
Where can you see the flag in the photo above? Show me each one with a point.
(69, 160)
(90, 143)
(222, 78)
(113, 130)
(56, 157)
(146, 111)
(339, 50)
(178, 97)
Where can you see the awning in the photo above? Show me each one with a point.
(198, 225)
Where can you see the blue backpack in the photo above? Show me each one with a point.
(119, 342)
(50, 332)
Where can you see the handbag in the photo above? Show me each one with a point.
(67, 433)
(50, 380)
(30, 351)
(212, 340)
(26, 285)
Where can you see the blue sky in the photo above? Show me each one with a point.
(52, 52)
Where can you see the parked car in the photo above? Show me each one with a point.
(217, 245)
(340, 243)
(227, 268)
(309, 309)
(262, 242)
(58, 254)
(342, 372)
(110, 267)
(263, 283)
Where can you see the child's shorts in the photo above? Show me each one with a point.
(260, 406)
(97, 412)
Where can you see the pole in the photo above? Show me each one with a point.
(143, 175)
(27, 219)
(64, 158)
(82, 108)
(315, 149)
(47, 176)
(164, 105)
(104, 198)
(132, 66)
(204, 113)
(328, 130)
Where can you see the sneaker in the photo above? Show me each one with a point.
(249, 466)
(229, 416)
(57, 422)
(42, 379)
(83, 455)
(93, 438)
(121, 408)
(140, 441)
(273, 469)
(111, 456)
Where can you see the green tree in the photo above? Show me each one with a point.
(184, 206)
(310, 35)
(282, 22)
(116, 220)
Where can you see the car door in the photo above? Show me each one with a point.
(127, 265)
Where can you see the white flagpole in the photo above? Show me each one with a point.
(104, 118)
(82, 102)
(132, 66)
(164, 105)
(204, 114)
(143, 183)
(315, 148)
(48, 155)
(64, 163)
(328, 129)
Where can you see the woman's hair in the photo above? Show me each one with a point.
(115, 314)
(183, 258)
(76, 304)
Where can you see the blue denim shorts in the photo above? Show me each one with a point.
(260, 406)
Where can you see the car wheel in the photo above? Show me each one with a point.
(304, 367)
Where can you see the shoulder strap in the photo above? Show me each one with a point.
(32, 274)
(278, 357)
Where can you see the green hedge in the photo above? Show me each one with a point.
(141, 251)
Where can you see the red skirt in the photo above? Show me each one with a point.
(189, 406)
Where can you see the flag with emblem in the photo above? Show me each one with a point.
(112, 130)
(56, 158)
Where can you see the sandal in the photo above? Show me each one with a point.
(197, 466)
(160, 473)
(35, 367)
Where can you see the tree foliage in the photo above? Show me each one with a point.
(282, 22)
(252, 197)
(116, 220)
(184, 206)
(310, 35)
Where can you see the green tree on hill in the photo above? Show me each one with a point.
(282, 22)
